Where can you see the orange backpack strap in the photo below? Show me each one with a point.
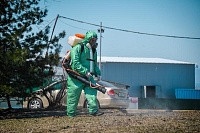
(66, 59)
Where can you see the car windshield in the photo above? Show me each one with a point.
(106, 84)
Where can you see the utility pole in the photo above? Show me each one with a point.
(51, 35)
(100, 31)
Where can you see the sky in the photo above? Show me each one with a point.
(166, 17)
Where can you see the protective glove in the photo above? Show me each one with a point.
(88, 75)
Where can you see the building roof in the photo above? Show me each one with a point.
(141, 60)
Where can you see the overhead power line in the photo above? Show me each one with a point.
(129, 30)
(74, 26)
(48, 24)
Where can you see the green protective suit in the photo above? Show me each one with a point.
(81, 65)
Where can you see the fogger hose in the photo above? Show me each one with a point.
(90, 81)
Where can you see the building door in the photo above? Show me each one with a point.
(150, 91)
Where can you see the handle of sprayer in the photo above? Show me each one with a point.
(89, 78)
(87, 81)
(97, 86)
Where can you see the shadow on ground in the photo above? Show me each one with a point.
(27, 113)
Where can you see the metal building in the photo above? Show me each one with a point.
(149, 77)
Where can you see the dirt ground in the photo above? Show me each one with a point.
(113, 121)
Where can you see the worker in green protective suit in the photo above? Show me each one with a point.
(85, 63)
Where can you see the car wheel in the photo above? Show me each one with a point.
(35, 103)
(86, 105)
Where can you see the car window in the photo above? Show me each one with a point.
(106, 84)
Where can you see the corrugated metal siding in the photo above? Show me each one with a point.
(166, 76)
(187, 94)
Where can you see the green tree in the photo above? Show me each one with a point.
(22, 60)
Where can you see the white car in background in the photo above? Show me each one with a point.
(113, 98)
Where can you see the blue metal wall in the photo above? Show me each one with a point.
(187, 93)
(166, 77)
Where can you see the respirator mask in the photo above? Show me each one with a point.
(93, 43)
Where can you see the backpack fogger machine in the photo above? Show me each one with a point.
(66, 64)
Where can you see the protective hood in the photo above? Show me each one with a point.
(88, 36)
